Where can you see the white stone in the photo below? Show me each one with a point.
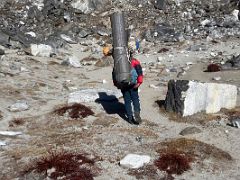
(10, 133)
(82, 5)
(218, 78)
(205, 22)
(235, 14)
(33, 34)
(67, 39)
(134, 161)
(39, 4)
(153, 86)
(41, 50)
(210, 97)
(19, 106)
(90, 95)
(74, 61)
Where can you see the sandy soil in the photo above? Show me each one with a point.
(46, 85)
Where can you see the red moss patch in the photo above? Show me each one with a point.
(75, 111)
(63, 165)
(213, 68)
(174, 162)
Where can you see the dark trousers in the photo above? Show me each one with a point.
(130, 97)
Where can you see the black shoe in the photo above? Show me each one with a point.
(132, 120)
(137, 118)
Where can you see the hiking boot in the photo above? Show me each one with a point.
(138, 119)
(131, 120)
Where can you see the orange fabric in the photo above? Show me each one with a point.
(106, 50)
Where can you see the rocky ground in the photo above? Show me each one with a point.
(35, 91)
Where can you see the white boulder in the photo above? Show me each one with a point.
(190, 97)
(41, 50)
(134, 161)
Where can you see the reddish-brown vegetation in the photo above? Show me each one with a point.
(213, 68)
(75, 111)
(65, 165)
(174, 162)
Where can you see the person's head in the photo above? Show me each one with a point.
(131, 53)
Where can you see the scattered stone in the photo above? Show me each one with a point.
(160, 4)
(153, 86)
(218, 78)
(190, 130)
(134, 161)
(68, 39)
(233, 63)
(236, 122)
(72, 61)
(10, 133)
(205, 22)
(19, 106)
(189, 97)
(41, 50)
(197, 48)
(91, 95)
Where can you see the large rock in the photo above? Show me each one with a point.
(189, 97)
(134, 161)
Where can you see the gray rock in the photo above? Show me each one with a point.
(162, 32)
(160, 4)
(190, 130)
(4, 39)
(84, 33)
(2, 52)
(197, 48)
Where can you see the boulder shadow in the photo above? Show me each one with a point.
(111, 105)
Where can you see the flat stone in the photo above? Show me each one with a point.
(10, 133)
(134, 161)
(189, 97)
(91, 95)
(19, 106)
(190, 130)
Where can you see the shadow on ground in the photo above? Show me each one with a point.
(112, 105)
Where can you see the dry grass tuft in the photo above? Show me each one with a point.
(174, 162)
(105, 121)
(63, 165)
(16, 122)
(74, 111)
(149, 171)
(195, 148)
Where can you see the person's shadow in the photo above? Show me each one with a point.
(111, 105)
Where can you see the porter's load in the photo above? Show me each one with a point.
(122, 65)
